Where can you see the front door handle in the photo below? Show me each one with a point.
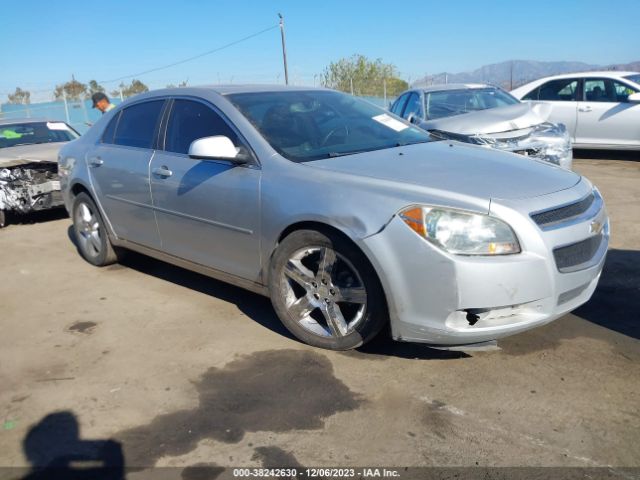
(586, 108)
(162, 171)
(95, 161)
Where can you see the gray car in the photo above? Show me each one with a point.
(350, 219)
(487, 115)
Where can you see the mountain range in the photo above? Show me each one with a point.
(512, 73)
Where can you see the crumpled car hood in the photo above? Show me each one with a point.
(24, 154)
(494, 120)
(458, 168)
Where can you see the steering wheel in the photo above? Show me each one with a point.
(332, 132)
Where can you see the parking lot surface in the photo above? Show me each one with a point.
(170, 368)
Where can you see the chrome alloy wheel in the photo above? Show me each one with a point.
(87, 229)
(324, 292)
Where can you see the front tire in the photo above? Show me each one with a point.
(325, 291)
(91, 235)
(3, 218)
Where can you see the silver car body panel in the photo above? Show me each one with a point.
(360, 195)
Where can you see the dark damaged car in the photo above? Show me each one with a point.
(29, 165)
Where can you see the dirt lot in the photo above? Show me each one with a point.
(170, 368)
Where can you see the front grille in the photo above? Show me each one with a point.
(571, 256)
(563, 213)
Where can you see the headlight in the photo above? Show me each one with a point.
(460, 232)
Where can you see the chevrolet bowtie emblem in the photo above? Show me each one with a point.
(595, 227)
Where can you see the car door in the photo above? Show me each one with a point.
(119, 171)
(605, 116)
(208, 211)
(562, 95)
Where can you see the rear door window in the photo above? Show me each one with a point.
(138, 124)
(189, 121)
(563, 90)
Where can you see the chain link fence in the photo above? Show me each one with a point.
(77, 113)
(80, 115)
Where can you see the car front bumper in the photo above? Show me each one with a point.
(432, 295)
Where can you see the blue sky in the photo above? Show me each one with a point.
(45, 42)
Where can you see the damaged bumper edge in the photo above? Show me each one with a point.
(548, 142)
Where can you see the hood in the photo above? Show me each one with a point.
(24, 154)
(457, 168)
(493, 120)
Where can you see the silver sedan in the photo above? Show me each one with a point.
(350, 219)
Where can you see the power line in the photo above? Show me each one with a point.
(180, 62)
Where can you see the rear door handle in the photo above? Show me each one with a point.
(162, 171)
(584, 109)
(95, 161)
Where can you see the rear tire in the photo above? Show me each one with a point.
(91, 235)
(325, 291)
(3, 219)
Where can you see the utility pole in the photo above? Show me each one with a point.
(66, 106)
(384, 90)
(511, 76)
(284, 50)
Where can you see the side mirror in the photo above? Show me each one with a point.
(218, 147)
(634, 97)
(413, 118)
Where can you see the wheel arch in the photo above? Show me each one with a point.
(79, 187)
(325, 228)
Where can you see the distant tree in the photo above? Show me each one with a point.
(73, 89)
(94, 87)
(20, 96)
(366, 76)
(180, 85)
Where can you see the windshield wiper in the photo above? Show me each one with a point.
(404, 144)
(342, 154)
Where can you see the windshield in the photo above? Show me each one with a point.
(315, 124)
(448, 103)
(32, 133)
(635, 78)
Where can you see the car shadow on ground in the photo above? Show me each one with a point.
(584, 154)
(35, 217)
(616, 302)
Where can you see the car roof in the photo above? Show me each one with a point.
(228, 89)
(454, 86)
(615, 74)
(595, 73)
(9, 121)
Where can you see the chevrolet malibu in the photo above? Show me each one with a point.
(348, 218)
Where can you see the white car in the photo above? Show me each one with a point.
(599, 109)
